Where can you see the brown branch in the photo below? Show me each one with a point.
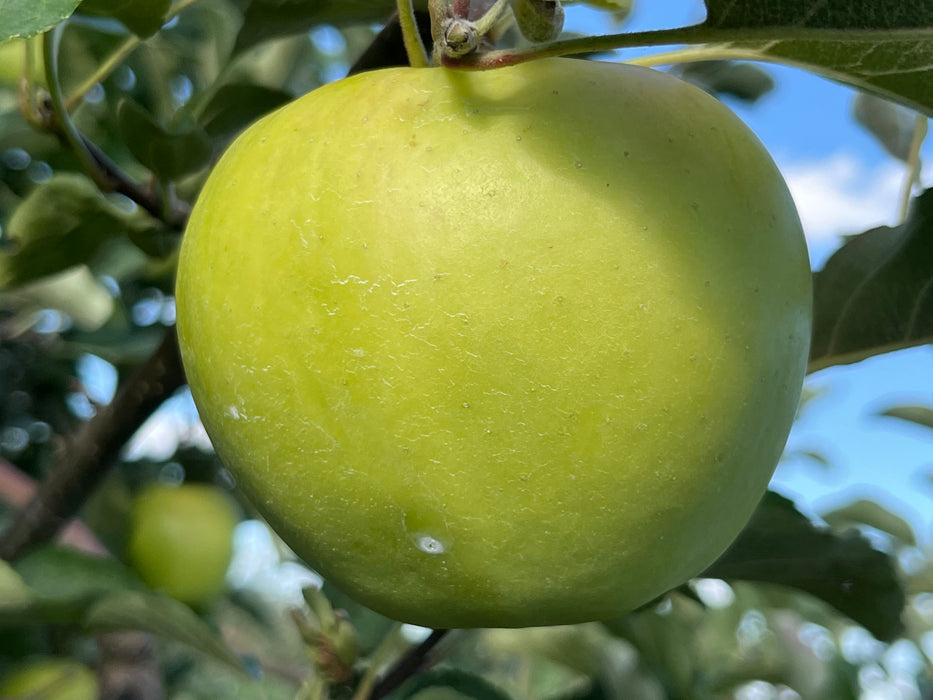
(88, 453)
(408, 665)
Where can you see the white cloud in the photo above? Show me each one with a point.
(842, 195)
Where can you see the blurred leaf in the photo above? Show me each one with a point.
(13, 590)
(620, 9)
(450, 684)
(25, 18)
(162, 616)
(58, 573)
(888, 49)
(744, 81)
(872, 514)
(872, 296)
(921, 415)
(266, 19)
(62, 223)
(74, 291)
(235, 106)
(779, 545)
(892, 124)
(142, 17)
(169, 155)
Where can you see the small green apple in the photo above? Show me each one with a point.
(511, 348)
(50, 679)
(181, 540)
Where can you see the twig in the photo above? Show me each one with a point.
(408, 665)
(89, 452)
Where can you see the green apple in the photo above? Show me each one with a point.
(511, 348)
(50, 679)
(181, 540)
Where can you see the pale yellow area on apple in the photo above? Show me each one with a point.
(510, 348)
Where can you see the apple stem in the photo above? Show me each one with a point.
(417, 54)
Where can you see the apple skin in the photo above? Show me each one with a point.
(510, 348)
(181, 540)
(62, 679)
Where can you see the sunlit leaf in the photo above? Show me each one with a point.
(884, 46)
(25, 18)
(873, 295)
(779, 545)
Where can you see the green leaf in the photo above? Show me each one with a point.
(74, 291)
(865, 512)
(62, 223)
(744, 81)
(25, 18)
(267, 19)
(781, 546)
(142, 17)
(450, 684)
(873, 295)
(162, 616)
(66, 575)
(893, 125)
(883, 46)
(235, 106)
(921, 415)
(169, 155)
(14, 592)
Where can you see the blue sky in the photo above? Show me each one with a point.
(843, 183)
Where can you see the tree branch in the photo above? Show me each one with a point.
(88, 453)
(408, 665)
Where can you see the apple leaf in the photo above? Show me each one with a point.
(162, 616)
(883, 46)
(921, 415)
(62, 223)
(169, 155)
(25, 18)
(739, 79)
(893, 125)
(455, 684)
(13, 590)
(58, 573)
(865, 512)
(234, 106)
(142, 17)
(874, 294)
(267, 19)
(782, 546)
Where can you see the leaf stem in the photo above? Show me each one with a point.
(66, 127)
(417, 54)
(913, 165)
